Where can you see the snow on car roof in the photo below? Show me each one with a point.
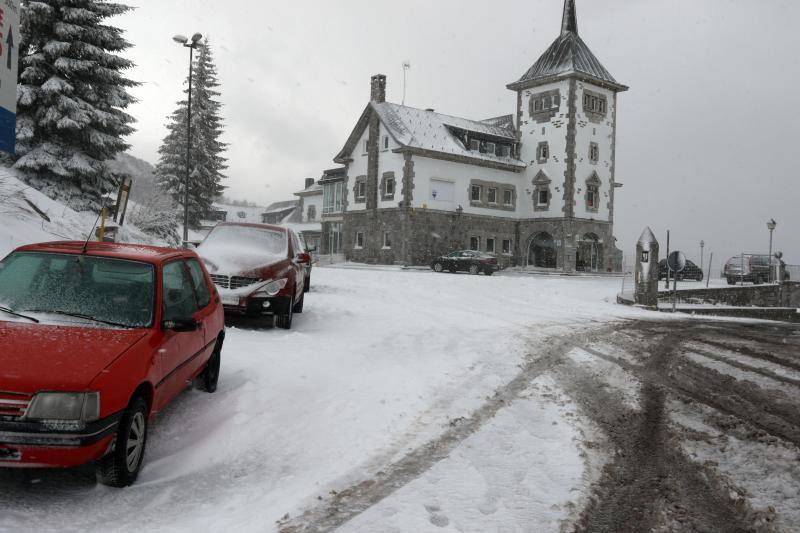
(108, 249)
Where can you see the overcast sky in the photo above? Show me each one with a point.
(708, 135)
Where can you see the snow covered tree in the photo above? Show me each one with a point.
(157, 215)
(205, 159)
(70, 98)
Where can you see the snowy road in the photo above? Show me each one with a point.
(411, 401)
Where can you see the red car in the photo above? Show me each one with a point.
(259, 269)
(95, 339)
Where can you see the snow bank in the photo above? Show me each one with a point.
(24, 214)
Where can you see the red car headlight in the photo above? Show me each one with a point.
(82, 406)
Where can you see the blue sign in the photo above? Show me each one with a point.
(9, 57)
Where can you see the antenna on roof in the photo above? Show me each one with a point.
(85, 244)
(406, 67)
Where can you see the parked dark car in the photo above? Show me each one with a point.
(691, 271)
(751, 267)
(260, 270)
(95, 339)
(466, 260)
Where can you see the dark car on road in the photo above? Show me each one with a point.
(691, 271)
(470, 261)
(752, 267)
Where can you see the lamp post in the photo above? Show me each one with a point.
(702, 245)
(771, 227)
(195, 42)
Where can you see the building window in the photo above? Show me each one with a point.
(543, 152)
(594, 152)
(491, 148)
(385, 142)
(503, 150)
(508, 197)
(547, 102)
(594, 103)
(388, 188)
(506, 246)
(490, 245)
(492, 195)
(474, 243)
(474, 145)
(366, 147)
(387, 240)
(332, 197)
(543, 198)
(361, 189)
(312, 213)
(334, 238)
(475, 193)
(591, 197)
(359, 239)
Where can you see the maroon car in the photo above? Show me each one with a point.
(259, 270)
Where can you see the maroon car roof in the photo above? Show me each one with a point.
(136, 252)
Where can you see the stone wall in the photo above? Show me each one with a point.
(783, 295)
(419, 235)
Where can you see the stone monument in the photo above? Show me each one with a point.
(646, 281)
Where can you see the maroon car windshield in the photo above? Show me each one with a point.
(268, 241)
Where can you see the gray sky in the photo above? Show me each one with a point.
(707, 136)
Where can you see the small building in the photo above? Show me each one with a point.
(229, 213)
(279, 212)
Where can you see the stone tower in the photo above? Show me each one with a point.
(566, 127)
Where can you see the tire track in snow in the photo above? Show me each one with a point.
(345, 505)
(650, 483)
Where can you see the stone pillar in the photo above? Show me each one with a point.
(646, 282)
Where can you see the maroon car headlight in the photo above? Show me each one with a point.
(72, 406)
(272, 288)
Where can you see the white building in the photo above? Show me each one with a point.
(536, 186)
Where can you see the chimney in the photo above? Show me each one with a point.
(310, 182)
(378, 88)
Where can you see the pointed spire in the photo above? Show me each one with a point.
(569, 22)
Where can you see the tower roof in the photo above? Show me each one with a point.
(568, 55)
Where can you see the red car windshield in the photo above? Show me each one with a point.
(101, 290)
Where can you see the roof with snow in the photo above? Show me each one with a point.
(568, 55)
(278, 207)
(238, 213)
(316, 188)
(431, 133)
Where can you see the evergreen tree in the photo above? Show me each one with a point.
(205, 160)
(70, 98)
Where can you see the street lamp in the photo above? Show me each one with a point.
(702, 245)
(771, 227)
(195, 43)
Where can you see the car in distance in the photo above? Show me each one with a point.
(260, 270)
(95, 339)
(754, 268)
(470, 261)
(690, 271)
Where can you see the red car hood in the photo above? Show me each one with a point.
(37, 357)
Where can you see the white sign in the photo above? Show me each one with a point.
(9, 56)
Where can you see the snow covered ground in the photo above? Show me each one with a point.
(380, 363)
(20, 223)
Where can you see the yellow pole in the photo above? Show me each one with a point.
(102, 234)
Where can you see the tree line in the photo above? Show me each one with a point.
(72, 96)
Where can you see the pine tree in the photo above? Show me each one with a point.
(70, 98)
(205, 160)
